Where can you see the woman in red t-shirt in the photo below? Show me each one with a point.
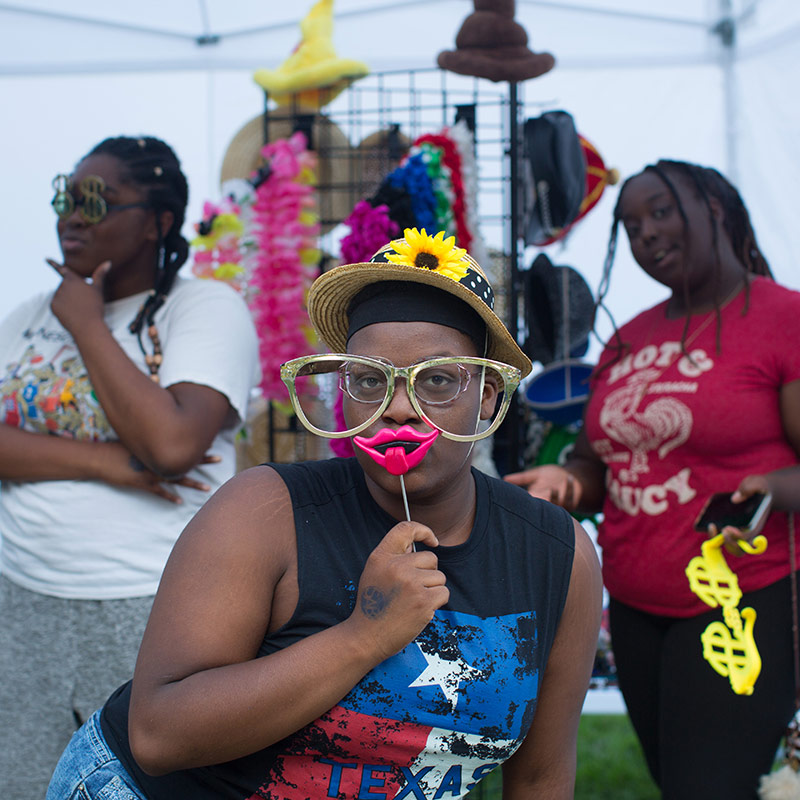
(697, 395)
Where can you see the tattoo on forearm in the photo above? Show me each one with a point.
(374, 602)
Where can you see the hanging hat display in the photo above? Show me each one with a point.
(334, 187)
(377, 155)
(553, 177)
(490, 44)
(313, 74)
(598, 176)
(559, 311)
(559, 391)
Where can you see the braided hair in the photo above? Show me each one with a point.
(153, 166)
(708, 183)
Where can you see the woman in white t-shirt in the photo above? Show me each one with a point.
(120, 395)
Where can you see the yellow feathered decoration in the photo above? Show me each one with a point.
(313, 75)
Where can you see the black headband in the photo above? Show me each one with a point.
(408, 301)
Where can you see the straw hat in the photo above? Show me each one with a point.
(432, 260)
(336, 194)
(377, 155)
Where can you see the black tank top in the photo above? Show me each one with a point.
(453, 704)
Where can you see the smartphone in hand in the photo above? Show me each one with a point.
(720, 510)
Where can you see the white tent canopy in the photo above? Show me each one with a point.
(45, 37)
(711, 81)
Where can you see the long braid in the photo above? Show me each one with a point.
(737, 223)
(152, 165)
(605, 281)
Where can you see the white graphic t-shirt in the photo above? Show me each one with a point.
(87, 539)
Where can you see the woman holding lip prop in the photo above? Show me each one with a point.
(391, 625)
(697, 395)
(114, 388)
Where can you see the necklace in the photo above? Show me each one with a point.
(645, 376)
(154, 361)
(739, 282)
(709, 318)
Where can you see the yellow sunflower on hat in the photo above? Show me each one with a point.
(419, 249)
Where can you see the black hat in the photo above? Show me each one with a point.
(559, 311)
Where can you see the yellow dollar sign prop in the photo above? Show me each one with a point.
(94, 206)
(733, 656)
(731, 651)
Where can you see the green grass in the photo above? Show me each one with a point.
(610, 764)
(610, 761)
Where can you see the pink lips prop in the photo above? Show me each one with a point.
(395, 459)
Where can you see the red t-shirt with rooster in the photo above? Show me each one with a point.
(674, 429)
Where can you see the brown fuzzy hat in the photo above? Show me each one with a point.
(492, 45)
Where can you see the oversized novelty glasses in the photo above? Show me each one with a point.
(435, 389)
(91, 204)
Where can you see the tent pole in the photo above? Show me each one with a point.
(726, 30)
(512, 243)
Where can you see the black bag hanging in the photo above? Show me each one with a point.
(554, 176)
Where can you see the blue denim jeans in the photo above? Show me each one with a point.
(89, 770)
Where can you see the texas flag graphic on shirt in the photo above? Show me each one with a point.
(429, 722)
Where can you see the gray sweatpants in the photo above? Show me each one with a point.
(59, 662)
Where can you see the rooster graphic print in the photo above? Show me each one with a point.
(642, 418)
(642, 424)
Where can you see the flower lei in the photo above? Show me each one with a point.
(261, 240)
(371, 228)
(412, 176)
(285, 227)
(343, 448)
(221, 247)
(451, 160)
(437, 184)
(440, 171)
